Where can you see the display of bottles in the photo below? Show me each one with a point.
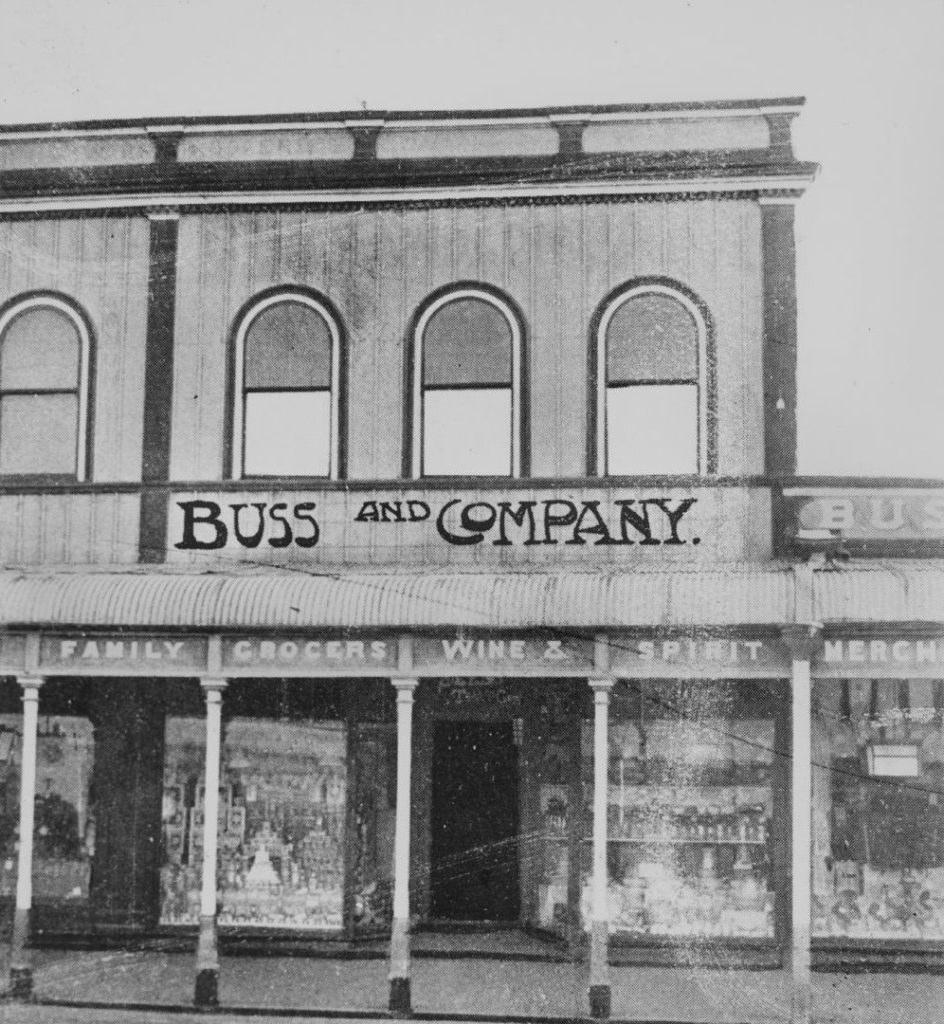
(746, 825)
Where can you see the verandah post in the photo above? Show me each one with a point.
(21, 968)
(803, 641)
(206, 988)
(599, 992)
(400, 996)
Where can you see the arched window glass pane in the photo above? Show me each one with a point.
(288, 345)
(652, 429)
(651, 337)
(287, 421)
(41, 351)
(38, 433)
(40, 370)
(467, 432)
(467, 342)
(288, 433)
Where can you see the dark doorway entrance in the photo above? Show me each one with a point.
(474, 869)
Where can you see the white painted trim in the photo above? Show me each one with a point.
(211, 795)
(209, 127)
(701, 383)
(24, 874)
(401, 841)
(61, 134)
(653, 186)
(689, 114)
(801, 845)
(864, 490)
(599, 905)
(416, 464)
(239, 397)
(82, 384)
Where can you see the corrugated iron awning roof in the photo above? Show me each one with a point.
(285, 599)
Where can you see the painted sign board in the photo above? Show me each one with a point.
(597, 524)
(300, 655)
(496, 654)
(885, 656)
(12, 653)
(122, 654)
(907, 521)
(698, 656)
(526, 654)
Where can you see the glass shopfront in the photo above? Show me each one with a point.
(374, 796)
(878, 809)
(64, 826)
(690, 807)
(282, 812)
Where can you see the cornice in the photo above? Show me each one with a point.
(781, 184)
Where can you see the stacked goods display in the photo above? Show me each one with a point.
(878, 847)
(64, 825)
(689, 810)
(281, 824)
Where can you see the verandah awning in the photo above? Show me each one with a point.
(712, 596)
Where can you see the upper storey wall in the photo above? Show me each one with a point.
(555, 262)
(101, 264)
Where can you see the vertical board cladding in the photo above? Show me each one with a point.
(102, 264)
(73, 529)
(557, 262)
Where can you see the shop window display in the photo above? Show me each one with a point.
(878, 821)
(281, 823)
(690, 805)
(552, 755)
(64, 828)
(374, 821)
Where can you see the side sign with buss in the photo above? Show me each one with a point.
(907, 521)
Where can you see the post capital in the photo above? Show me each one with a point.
(405, 689)
(601, 690)
(30, 686)
(803, 639)
(213, 685)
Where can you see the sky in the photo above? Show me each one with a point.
(870, 264)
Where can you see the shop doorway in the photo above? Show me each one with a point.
(474, 868)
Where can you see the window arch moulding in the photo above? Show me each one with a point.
(467, 386)
(46, 404)
(652, 378)
(287, 402)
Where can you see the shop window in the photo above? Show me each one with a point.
(374, 820)
(467, 387)
(44, 384)
(690, 805)
(281, 823)
(287, 374)
(64, 825)
(651, 355)
(552, 768)
(878, 809)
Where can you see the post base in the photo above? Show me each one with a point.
(600, 1002)
(21, 983)
(206, 993)
(400, 1002)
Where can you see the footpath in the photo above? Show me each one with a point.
(118, 987)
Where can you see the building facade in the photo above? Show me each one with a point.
(400, 529)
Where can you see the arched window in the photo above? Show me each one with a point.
(467, 374)
(45, 348)
(286, 419)
(652, 373)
